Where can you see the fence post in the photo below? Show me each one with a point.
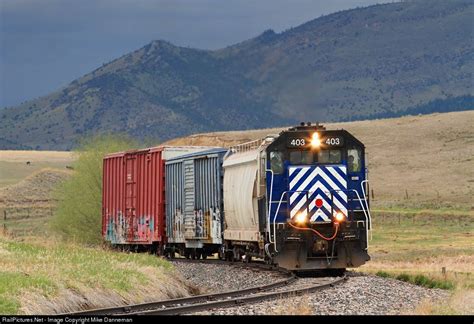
(372, 191)
(28, 211)
(4, 214)
(399, 217)
(406, 194)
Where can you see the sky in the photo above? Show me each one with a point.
(46, 44)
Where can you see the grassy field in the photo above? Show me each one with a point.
(52, 277)
(421, 171)
(436, 251)
(415, 162)
(14, 167)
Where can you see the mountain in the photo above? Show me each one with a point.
(381, 61)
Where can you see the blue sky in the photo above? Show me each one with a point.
(45, 44)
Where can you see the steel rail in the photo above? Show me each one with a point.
(183, 309)
(143, 307)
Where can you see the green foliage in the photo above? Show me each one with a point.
(383, 274)
(47, 268)
(78, 214)
(419, 279)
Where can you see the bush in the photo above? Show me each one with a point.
(78, 213)
(383, 274)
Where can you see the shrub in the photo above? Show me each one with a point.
(78, 213)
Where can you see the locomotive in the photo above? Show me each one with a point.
(297, 199)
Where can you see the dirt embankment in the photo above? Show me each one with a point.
(35, 190)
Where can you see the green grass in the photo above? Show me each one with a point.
(411, 238)
(419, 279)
(49, 268)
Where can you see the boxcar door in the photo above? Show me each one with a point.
(131, 196)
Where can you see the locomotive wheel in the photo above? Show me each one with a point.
(193, 254)
(186, 254)
(204, 256)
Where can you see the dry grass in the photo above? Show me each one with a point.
(422, 247)
(53, 277)
(429, 157)
(460, 303)
(36, 156)
(26, 206)
(14, 168)
(34, 190)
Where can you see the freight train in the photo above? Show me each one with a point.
(297, 199)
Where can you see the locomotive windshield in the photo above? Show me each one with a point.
(301, 157)
(329, 156)
(354, 159)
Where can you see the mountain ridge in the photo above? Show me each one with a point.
(379, 61)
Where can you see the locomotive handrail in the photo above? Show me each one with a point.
(365, 199)
(270, 205)
(367, 216)
(276, 214)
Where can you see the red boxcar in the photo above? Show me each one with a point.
(133, 195)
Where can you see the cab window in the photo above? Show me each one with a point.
(301, 157)
(276, 162)
(354, 160)
(329, 156)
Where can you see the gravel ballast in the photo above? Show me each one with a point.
(360, 295)
(213, 278)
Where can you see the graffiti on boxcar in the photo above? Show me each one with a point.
(118, 229)
(178, 225)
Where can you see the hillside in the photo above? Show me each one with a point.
(380, 61)
(428, 158)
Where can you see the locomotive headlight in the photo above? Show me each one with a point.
(339, 217)
(315, 141)
(300, 219)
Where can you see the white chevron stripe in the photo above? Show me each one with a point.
(336, 175)
(304, 212)
(302, 186)
(298, 206)
(339, 197)
(298, 177)
(336, 200)
(320, 213)
(333, 185)
(292, 170)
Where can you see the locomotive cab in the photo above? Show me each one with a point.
(318, 210)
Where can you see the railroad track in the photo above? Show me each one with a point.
(218, 300)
